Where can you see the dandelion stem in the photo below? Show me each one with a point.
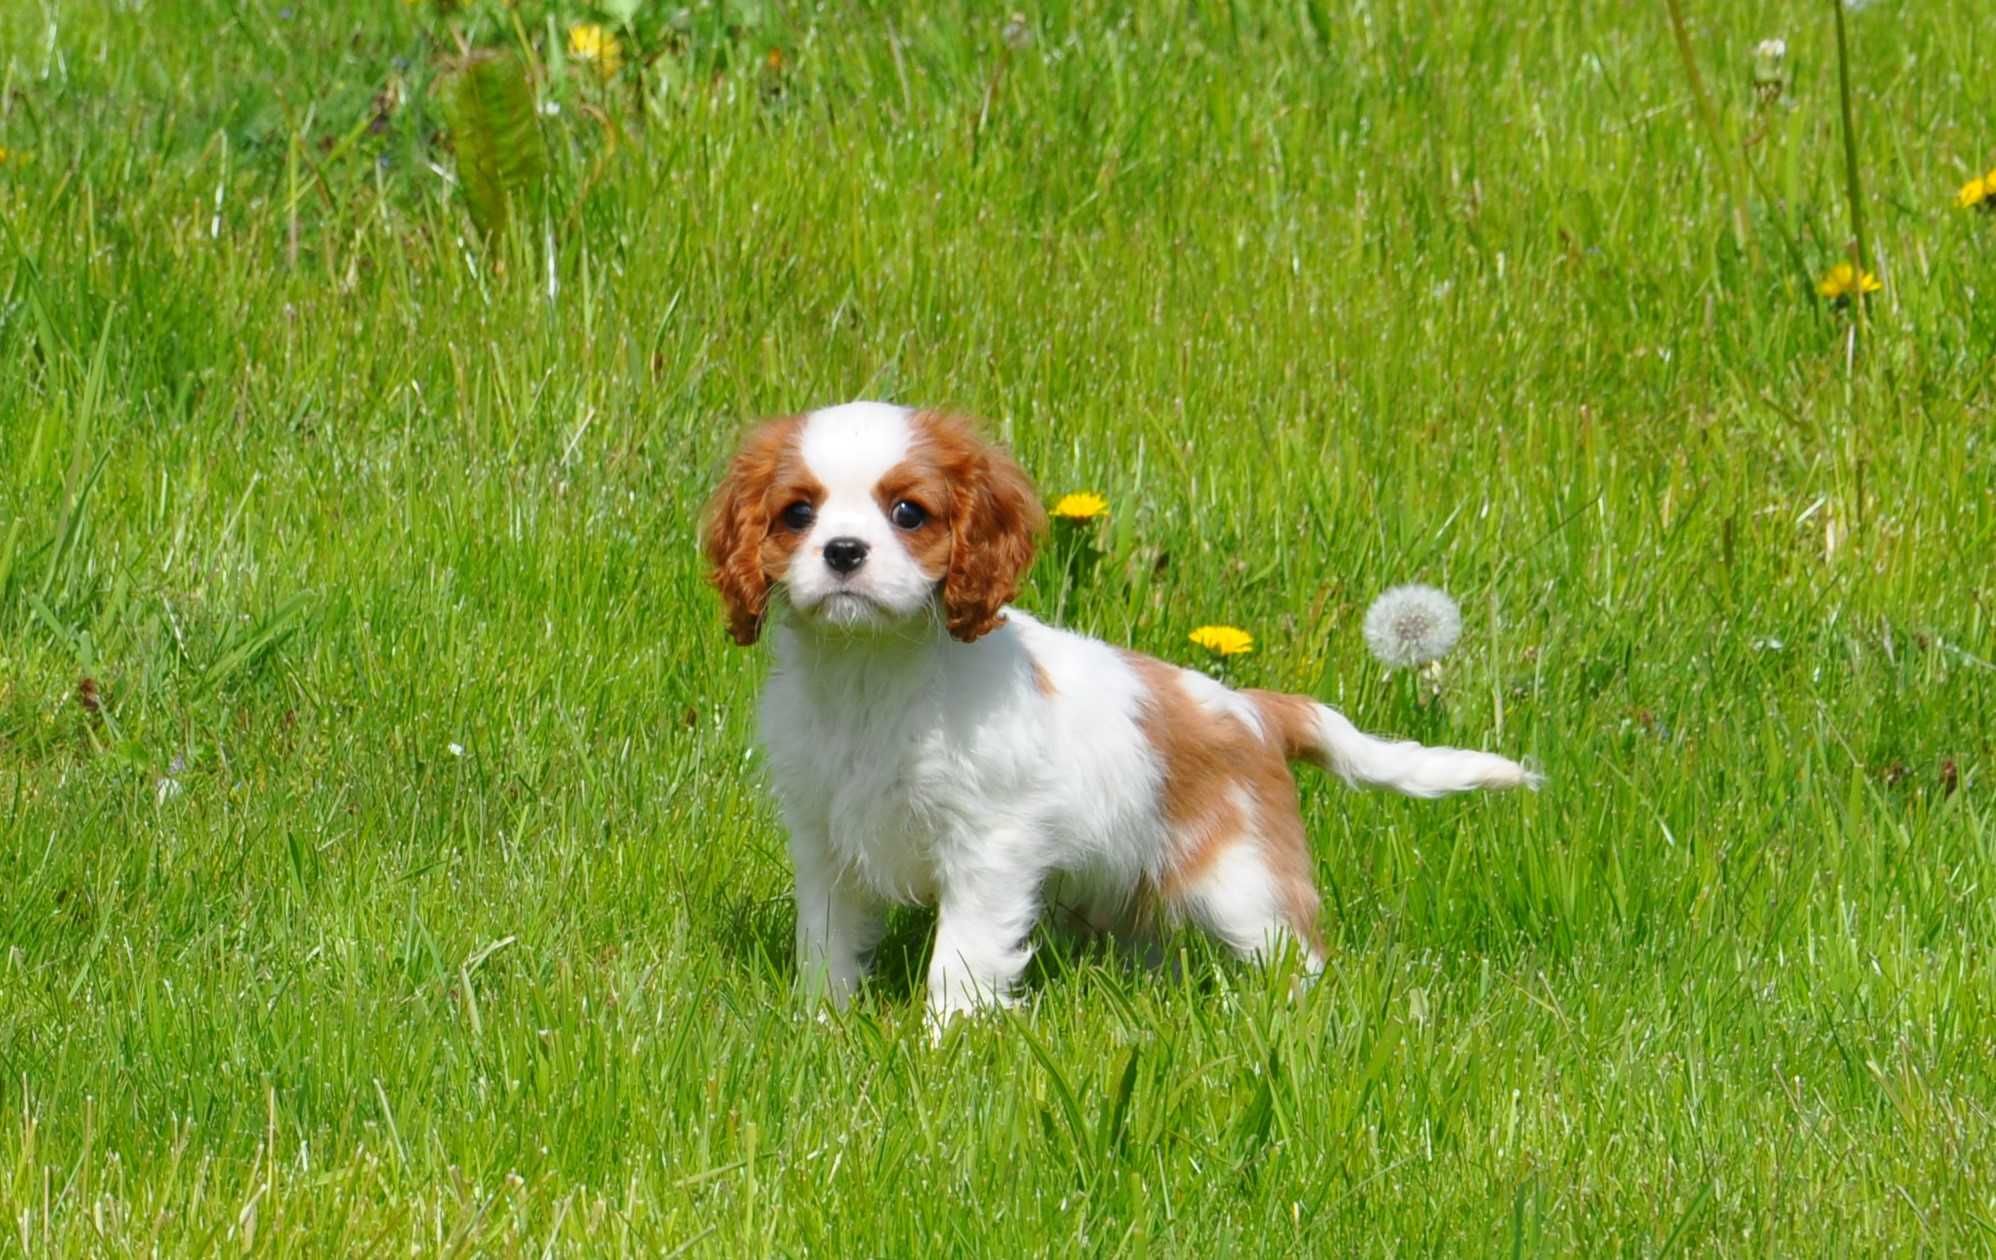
(1855, 189)
(1496, 670)
(1789, 243)
(1851, 182)
(1710, 118)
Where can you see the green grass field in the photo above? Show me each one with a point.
(401, 881)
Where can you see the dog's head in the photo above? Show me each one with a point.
(869, 516)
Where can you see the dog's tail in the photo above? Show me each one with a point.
(1311, 731)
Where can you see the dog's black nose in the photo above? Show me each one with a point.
(845, 554)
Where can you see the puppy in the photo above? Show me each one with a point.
(928, 744)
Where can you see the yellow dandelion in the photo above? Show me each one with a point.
(1083, 505)
(1844, 281)
(590, 42)
(1223, 640)
(1978, 193)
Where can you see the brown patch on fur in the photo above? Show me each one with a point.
(993, 519)
(1205, 755)
(1042, 680)
(921, 482)
(1291, 720)
(748, 548)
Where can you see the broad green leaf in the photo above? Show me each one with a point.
(500, 154)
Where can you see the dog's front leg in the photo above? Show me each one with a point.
(838, 922)
(986, 909)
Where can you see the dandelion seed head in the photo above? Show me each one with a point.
(1412, 625)
(1770, 70)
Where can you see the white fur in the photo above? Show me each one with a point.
(1237, 901)
(1219, 700)
(913, 768)
(1407, 767)
(916, 769)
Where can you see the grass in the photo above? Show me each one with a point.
(402, 879)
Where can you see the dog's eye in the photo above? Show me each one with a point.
(799, 515)
(908, 515)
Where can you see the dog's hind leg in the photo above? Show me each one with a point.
(1256, 900)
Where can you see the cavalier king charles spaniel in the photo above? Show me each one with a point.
(928, 744)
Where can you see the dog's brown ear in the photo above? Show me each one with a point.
(995, 522)
(736, 525)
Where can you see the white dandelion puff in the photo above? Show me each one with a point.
(1770, 70)
(169, 785)
(1412, 625)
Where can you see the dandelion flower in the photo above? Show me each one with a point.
(1844, 281)
(1081, 506)
(1223, 640)
(590, 42)
(1978, 193)
(1412, 625)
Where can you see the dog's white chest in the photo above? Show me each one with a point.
(870, 768)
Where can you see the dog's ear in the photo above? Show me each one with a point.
(736, 525)
(995, 522)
